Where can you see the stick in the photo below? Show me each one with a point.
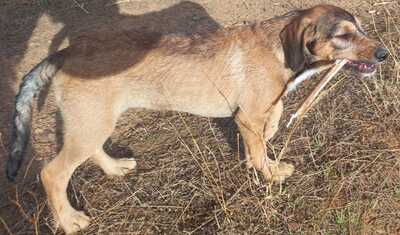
(307, 103)
(314, 69)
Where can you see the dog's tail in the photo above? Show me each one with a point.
(32, 84)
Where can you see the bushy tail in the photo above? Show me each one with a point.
(30, 87)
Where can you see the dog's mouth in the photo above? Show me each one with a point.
(361, 67)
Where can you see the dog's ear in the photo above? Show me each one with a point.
(294, 38)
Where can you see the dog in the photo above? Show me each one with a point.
(239, 71)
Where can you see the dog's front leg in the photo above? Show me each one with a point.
(272, 120)
(253, 128)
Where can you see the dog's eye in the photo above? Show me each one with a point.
(345, 36)
(311, 46)
(339, 43)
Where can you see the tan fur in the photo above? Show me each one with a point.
(238, 71)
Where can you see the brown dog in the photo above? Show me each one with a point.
(239, 71)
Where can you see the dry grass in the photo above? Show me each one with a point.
(190, 180)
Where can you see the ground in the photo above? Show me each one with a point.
(190, 178)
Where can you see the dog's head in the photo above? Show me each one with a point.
(327, 33)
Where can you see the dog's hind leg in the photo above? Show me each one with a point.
(55, 177)
(112, 166)
(84, 136)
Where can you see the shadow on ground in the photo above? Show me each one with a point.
(183, 18)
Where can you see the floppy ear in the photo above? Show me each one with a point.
(293, 42)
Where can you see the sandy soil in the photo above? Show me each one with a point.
(189, 179)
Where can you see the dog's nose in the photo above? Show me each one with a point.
(381, 54)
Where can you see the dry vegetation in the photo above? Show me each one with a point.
(189, 178)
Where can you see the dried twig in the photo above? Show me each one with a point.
(2, 145)
(384, 3)
(5, 226)
(307, 103)
(81, 6)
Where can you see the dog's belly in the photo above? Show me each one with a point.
(204, 107)
(196, 95)
(201, 100)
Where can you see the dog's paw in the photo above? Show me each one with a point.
(73, 221)
(249, 165)
(120, 167)
(278, 172)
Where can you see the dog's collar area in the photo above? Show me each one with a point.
(306, 74)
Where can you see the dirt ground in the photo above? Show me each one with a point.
(190, 178)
